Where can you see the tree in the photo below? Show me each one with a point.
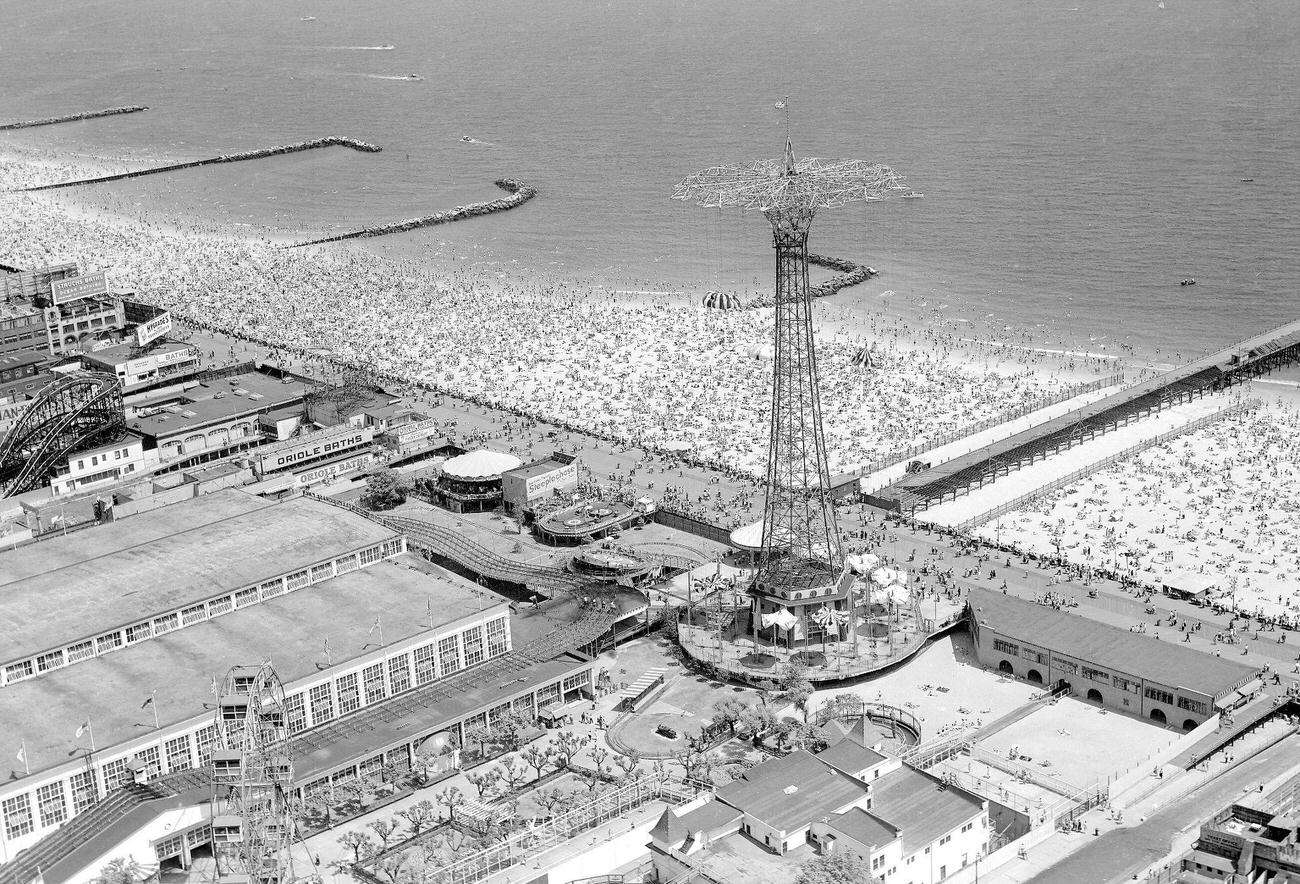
(729, 710)
(478, 735)
(834, 868)
(385, 489)
(391, 866)
(599, 755)
(568, 744)
(756, 720)
(630, 765)
(385, 829)
(548, 798)
(482, 781)
(451, 799)
(419, 815)
(120, 870)
(509, 730)
(512, 773)
(538, 759)
(361, 845)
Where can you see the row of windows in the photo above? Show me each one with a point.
(1159, 695)
(1192, 705)
(1006, 647)
(164, 623)
(418, 667)
(56, 802)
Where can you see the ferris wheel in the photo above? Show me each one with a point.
(252, 821)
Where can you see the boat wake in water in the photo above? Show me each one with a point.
(408, 78)
(385, 48)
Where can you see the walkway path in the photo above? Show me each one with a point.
(1058, 466)
(965, 445)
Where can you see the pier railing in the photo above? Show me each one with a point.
(1064, 481)
(957, 435)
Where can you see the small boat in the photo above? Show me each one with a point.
(307, 18)
(413, 77)
(1188, 282)
(1247, 180)
(466, 138)
(913, 195)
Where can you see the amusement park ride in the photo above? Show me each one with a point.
(801, 564)
(252, 821)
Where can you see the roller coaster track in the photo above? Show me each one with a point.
(68, 414)
(449, 544)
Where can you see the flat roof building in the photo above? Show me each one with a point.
(1125, 670)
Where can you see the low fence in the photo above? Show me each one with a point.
(526, 844)
(1057, 484)
(1042, 402)
(689, 524)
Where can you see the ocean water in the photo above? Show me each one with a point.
(1078, 157)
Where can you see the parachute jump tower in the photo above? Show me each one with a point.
(801, 565)
(252, 822)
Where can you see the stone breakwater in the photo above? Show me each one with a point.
(851, 274)
(519, 193)
(331, 141)
(72, 118)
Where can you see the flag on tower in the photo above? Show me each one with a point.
(147, 703)
(373, 627)
(22, 753)
(780, 105)
(84, 727)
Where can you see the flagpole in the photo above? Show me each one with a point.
(91, 728)
(153, 703)
(380, 623)
(27, 768)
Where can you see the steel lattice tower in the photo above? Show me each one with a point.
(802, 559)
(252, 825)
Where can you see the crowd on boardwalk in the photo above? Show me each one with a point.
(1213, 509)
(671, 377)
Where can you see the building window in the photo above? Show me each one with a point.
(399, 671)
(345, 564)
(473, 645)
(322, 704)
(195, 614)
(18, 816)
(1095, 674)
(1160, 696)
(577, 681)
(272, 588)
(349, 695)
(1006, 647)
(166, 623)
(1191, 705)
(373, 681)
(295, 713)
(548, 694)
(18, 671)
(425, 669)
(138, 632)
(448, 657)
(498, 643)
(297, 580)
(52, 805)
(220, 606)
(372, 768)
(1066, 666)
(204, 737)
(82, 786)
(52, 660)
(370, 556)
(322, 572)
(115, 775)
(178, 754)
(246, 597)
(81, 651)
(149, 758)
(168, 847)
(392, 547)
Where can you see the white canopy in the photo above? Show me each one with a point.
(480, 464)
(751, 536)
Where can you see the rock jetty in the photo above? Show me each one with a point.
(331, 141)
(851, 274)
(519, 193)
(71, 118)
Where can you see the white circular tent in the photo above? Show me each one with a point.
(477, 466)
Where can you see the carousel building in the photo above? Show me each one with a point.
(471, 483)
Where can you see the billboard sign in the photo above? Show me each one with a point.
(148, 332)
(417, 429)
(336, 441)
(332, 471)
(538, 486)
(75, 288)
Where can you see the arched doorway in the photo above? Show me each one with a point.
(1035, 676)
(1159, 715)
(1005, 666)
(1189, 724)
(1094, 695)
